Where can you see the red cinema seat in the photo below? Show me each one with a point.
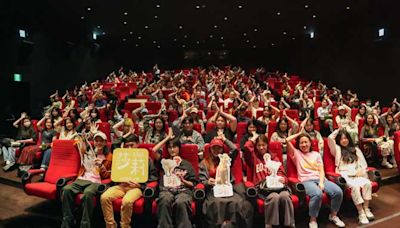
(272, 125)
(106, 129)
(397, 148)
(123, 92)
(354, 112)
(64, 166)
(241, 130)
(153, 107)
(330, 172)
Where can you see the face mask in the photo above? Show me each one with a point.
(93, 115)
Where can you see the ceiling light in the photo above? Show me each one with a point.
(154, 42)
(180, 27)
(211, 36)
(126, 13)
(88, 9)
(146, 27)
(312, 35)
(272, 44)
(208, 53)
(158, 46)
(183, 45)
(158, 6)
(155, 17)
(305, 27)
(244, 34)
(222, 37)
(197, 42)
(82, 17)
(381, 32)
(94, 35)
(137, 45)
(284, 33)
(203, 6)
(139, 37)
(197, 7)
(254, 46)
(104, 33)
(185, 36)
(225, 18)
(314, 16)
(255, 30)
(174, 39)
(98, 26)
(306, 6)
(215, 26)
(247, 41)
(348, 7)
(131, 32)
(123, 39)
(293, 38)
(278, 13)
(223, 45)
(125, 23)
(240, 6)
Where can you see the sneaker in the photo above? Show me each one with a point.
(336, 220)
(8, 167)
(369, 214)
(387, 165)
(313, 225)
(362, 219)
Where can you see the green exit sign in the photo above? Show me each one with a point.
(17, 77)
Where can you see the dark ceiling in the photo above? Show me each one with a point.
(200, 24)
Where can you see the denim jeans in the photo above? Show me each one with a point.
(9, 154)
(314, 192)
(46, 158)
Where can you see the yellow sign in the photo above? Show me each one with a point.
(130, 164)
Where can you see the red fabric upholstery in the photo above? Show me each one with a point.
(42, 189)
(272, 125)
(105, 128)
(397, 148)
(153, 107)
(241, 130)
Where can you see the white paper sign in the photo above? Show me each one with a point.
(170, 178)
(223, 186)
(273, 181)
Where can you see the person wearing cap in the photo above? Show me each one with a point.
(343, 120)
(129, 192)
(234, 210)
(194, 113)
(95, 167)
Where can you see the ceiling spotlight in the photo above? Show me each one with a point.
(158, 46)
(255, 30)
(175, 39)
(125, 23)
(254, 46)
(98, 26)
(154, 42)
(88, 9)
(197, 7)
(180, 27)
(185, 36)
(123, 39)
(158, 6)
(203, 6)
(215, 26)
(211, 36)
(183, 45)
(223, 45)
(381, 32)
(94, 35)
(131, 32)
(312, 35)
(244, 34)
(247, 41)
(272, 44)
(348, 7)
(225, 18)
(104, 33)
(304, 27)
(155, 17)
(240, 6)
(314, 16)
(208, 53)
(139, 37)
(146, 27)
(197, 42)
(82, 17)
(284, 33)
(293, 38)
(306, 6)
(136, 45)
(222, 37)
(125, 13)
(278, 13)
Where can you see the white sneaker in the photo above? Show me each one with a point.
(362, 219)
(387, 165)
(313, 225)
(336, 220)
(369, 214)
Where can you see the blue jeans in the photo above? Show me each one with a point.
(314, 192)
(9, 154)
(46, 158)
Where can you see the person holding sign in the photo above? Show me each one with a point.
(129, 191)
(176, 185)
(310, 171)
(275, 197)
(227, 207)
(95, 166)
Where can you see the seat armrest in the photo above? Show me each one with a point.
(150, 190)
(251, 190)
(27, 176)
(336, 178)
(199, 192)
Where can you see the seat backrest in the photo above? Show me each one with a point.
(210, 127)
(272, 125)
(154, 107)
(317, 104)
(197, 127)
(329, 160)
(105, 128)
(354, 112)
(397, 148)
(241, 130)
(64, 159)
(149, 148)
(188, 152)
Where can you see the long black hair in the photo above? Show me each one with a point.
(349, 154)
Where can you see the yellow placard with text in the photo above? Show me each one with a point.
(130, 164)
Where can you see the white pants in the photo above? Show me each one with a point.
(361, 189)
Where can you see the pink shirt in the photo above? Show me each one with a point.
(307, 164)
